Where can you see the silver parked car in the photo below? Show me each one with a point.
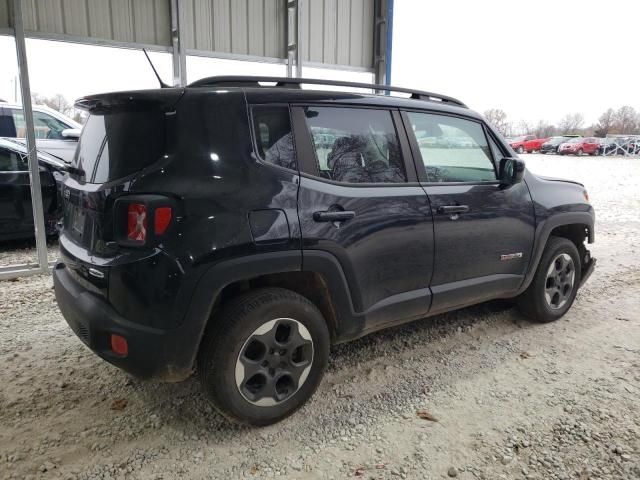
(56, 133)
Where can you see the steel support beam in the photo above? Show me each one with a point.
(294, 34)
(179, 53)
(382, 41)
(34, 167)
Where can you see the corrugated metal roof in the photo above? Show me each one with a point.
(242, 27)
(338, 32)
(334, 32)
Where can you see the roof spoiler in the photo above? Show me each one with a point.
(285, 82)
(140, 100)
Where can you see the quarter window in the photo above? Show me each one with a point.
(355, 145)
(452, 149)
(274, 140)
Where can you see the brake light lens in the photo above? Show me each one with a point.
(162, 219)
(137, 222)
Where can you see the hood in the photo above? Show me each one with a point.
(563, 180)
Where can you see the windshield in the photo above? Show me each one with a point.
(20, 147)
(117, 144)
(575, 140)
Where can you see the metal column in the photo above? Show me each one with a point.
(34, 167)
(383, 41)
(294, 34)
(179, 55)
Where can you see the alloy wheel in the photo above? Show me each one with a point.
(274, 362)
(560, 281)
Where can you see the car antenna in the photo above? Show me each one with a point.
(162, 84)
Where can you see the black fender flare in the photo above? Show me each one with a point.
(543, 231)
(226, 272)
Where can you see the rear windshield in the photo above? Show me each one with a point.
(115, 145)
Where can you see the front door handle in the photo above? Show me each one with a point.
(451, 209)
(334, 215)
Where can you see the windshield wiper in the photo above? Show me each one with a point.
(73, 170)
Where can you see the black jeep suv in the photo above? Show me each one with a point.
(241, 225)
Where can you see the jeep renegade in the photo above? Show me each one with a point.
(240, 226)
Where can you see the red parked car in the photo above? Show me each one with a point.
(579, 146)
(534, 145)
(517, 143)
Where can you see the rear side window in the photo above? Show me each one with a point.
(452, 149)
(115, 145)
(274, 140)
(355, 145)
(12, 161)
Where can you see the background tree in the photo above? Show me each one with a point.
(626, 120)
(571, 123)
(57, 102)
(498, 119)
(544, 129)
(61, 104)
(606, 123)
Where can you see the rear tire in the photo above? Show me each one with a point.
(555, 283)
(264, 356)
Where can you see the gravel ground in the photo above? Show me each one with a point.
(511, 399)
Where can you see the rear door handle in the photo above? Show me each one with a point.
(334, 216)
(451, 209)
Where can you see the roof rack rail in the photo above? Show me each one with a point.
(285, 82)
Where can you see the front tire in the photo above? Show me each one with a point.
(520, 150)
(555, 284)
(264, 356)
(579, 152)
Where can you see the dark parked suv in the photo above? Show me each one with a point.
(239, 229)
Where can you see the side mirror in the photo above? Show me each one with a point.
(71, 133)
(511, 171)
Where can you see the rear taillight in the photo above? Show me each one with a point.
(162, 219)
(137, 222)
(143, 220)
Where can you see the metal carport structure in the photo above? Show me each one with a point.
(334, 34)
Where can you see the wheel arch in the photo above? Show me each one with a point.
(321, 281)
(575, 226)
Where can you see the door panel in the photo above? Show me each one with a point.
(483, 232)
(359, 201)
(16, 210)
(385, 249)
(491, 242)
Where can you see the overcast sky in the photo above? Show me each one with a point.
(534, 59)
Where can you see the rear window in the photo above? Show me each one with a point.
(115, 145)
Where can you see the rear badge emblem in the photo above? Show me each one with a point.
(67, 193)
(511, 256)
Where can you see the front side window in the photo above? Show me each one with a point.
(274, 140)
(355, 145)
(12, 162)
(452, 149)
(45, 126)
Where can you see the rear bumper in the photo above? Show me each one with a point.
(165, 355)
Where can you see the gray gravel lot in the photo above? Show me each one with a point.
(513, 399)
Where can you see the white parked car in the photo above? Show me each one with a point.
(56, 133)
